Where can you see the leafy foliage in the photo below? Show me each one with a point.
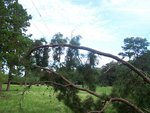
(134, 47)
(41, 55)
(108, 74)
(72, 57)
(58, 51)
(14, 41)
(129, 85)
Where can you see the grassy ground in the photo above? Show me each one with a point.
(99, 90)
(37, 99)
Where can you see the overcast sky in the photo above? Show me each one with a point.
(103, 24)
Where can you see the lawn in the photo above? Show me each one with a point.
(37, 99)
(99, 90)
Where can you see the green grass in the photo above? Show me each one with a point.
(104, 90)
(99, 90)
(37, 99)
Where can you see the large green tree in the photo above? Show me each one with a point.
(72, 56)
(58, 51)
(128, 84)
(89, 71)
(15, 42)
(41, 56)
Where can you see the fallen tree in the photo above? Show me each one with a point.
(136, 70)
(69, 92)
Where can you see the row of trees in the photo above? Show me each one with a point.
(64, 68)
(68, 61)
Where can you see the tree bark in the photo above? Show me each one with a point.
(0, 87)
(9, 79)
(8, 85)
(25, 77)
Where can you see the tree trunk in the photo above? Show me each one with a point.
(25, 76)
(8, 85)
(25, 82)
(9, 79)
(0, 87)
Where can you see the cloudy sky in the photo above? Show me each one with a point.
(103, 24)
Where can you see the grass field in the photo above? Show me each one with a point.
(99, 90)
(37, 99)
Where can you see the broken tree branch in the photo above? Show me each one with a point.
(136, 70)
(69, 83)
(118, 100)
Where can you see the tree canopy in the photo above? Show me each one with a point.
(134, 47)
(14, 41)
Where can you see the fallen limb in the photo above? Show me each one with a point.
(69, 83)
(136, 70)
(138, 110)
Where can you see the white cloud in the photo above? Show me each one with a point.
(102, 24)
(136, 7)
(64, 16)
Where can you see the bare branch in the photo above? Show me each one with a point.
(136, 70)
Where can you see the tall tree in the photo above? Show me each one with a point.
(128, 84)
(89, 71)
(41, 56)
(58, 51)
(14, 40)
(72, 57)
(134, 47)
